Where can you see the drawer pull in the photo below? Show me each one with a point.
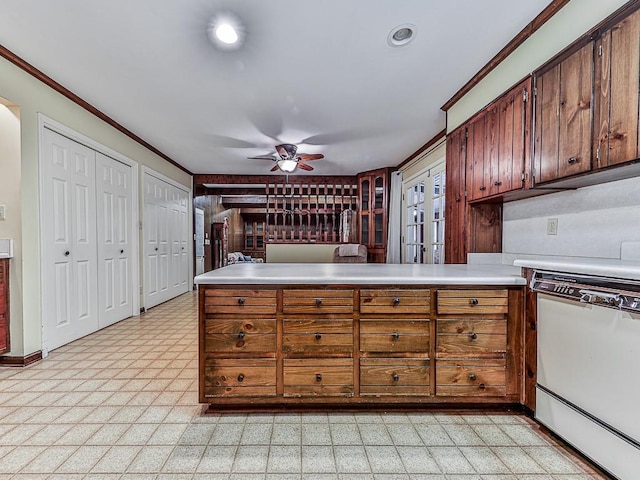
(395, 377)
(473, 336)
(482, 189)
(318, 302)
(240, 377)
(572, 160)
(241, 301)
(473, 377)
(497, 184)
(66, 253)
(482, 386)
(473, 301)
(396, 301)
(395, 335)
(318, 336)
(318, 377)
(241, 335)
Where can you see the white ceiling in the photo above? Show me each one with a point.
(319, 74)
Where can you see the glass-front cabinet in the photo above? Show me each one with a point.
(374, 199)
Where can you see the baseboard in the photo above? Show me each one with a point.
(9, 361)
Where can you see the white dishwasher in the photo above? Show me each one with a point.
(588, 374)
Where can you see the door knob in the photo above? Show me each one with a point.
(66, 253)
(121, 252)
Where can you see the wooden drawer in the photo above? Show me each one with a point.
(314, 336)
(317, 301)
(472, 301)
(239, 377)
(395, 301)
(240, 336)
(468, 336)
(318, 377)
(394, 376)
(471, 378)
(383, 335)
(240, 301)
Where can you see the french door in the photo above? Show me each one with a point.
(423, 216)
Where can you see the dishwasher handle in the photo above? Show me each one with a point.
(600, 298)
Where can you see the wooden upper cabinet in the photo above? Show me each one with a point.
(615, 136)
(563, 117)
(497, 145)
(512, 138)
(455, 202)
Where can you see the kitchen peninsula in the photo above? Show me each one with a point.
(315, 335)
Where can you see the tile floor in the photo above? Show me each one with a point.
(122, 404)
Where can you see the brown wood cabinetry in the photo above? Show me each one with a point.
(280, 345)
(455, 243)
(5, 344)
(254, 239)
(472, 343)
(496, 149)
(374, 204)
(617, 68)
(563, 117)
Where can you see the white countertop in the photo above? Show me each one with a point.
(362, 274)
(602, 267)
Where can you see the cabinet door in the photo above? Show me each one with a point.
(615, 138)
(563, 117)
(511, 141)
(455, 204)
(477, 173)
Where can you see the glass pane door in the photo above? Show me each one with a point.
(424, 217)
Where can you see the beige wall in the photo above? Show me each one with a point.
(420, 162)
(573, 21)
(11, 227)
(302, 253)
(33, 97)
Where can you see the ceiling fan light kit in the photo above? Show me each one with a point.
(401, 35)
(290, 159)
(287, 165)
(226, 31)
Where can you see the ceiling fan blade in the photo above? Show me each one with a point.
(230, 142)
(275, 167)
(305, 157)
(304, 166)
(262, 157)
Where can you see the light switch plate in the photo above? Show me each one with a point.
(552, 226)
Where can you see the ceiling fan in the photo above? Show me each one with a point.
(288, 159)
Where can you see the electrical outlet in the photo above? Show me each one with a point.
(2, 207)
(552, 226)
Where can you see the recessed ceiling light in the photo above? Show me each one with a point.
(401, 35)
(226, 31)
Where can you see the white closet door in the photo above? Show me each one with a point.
(115, 268)
(166, 235)
(179, 238)
(69, 240)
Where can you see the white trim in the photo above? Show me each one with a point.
(425, 154)
(164, 178)
(57, 127)
(435, 164)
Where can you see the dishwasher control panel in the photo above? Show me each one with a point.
(604, 291)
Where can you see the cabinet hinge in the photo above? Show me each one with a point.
(535, 91)
(525, 96)
(599, 50)
(466, 133)
(598, 153)
(523, 177)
